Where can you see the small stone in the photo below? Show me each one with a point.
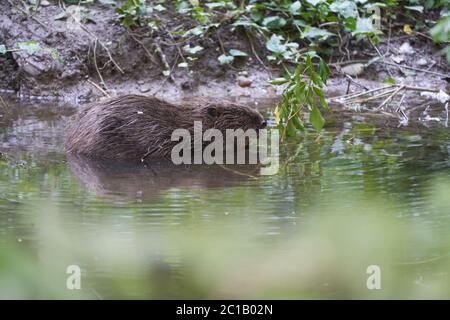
(244, 82)
(353, 70)
(145, 88)
(45, 3)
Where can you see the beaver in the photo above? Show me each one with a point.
(138, 127)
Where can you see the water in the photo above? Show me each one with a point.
(212, 231)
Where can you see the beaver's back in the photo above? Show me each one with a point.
(125, 127)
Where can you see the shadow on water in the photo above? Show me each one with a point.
(146, 181)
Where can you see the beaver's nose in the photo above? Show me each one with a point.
(263, 124)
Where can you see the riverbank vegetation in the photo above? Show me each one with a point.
(298, 43)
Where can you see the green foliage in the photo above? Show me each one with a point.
(32, 47)
(286, 28)
(441, 33)
(132, 12)
(304, 89)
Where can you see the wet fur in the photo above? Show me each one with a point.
(136, 127)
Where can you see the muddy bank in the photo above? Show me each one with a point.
(74, 56)
(75, 62)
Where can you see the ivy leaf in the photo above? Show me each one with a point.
(238, 53)
(415, 8)
(364, 26)
(316, 119)
(2, 49)
(225, 59)
(314, 2)
(275, 45)
(345, 8)
(192, 50)
(159, 8)
(294, 8)
(274, 22)
(441, 31)
(313, 32)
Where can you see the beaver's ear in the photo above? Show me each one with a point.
(212, 112)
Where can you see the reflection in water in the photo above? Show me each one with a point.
(166, 231)
(136, 180)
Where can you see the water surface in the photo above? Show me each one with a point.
(341, 200)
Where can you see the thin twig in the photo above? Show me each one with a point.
(375, 97)
(386, 101)
(106, 94)
(102, 81)
(5, 105)
(358, 94)
(412, 68)
(381, 56)
(238, 172)
(99, 41)
(162, 56)
(252, 47)
(152, 58)
(29, 16)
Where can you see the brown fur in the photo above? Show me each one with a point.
(134, 127)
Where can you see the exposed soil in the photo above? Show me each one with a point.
(130, 64)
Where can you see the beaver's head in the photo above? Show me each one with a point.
(224, 116)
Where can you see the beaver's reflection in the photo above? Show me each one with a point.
(136, 180)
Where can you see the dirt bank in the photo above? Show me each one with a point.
(75, 62)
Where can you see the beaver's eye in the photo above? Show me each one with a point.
(212, 112)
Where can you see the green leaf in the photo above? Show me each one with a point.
(316, 119)
(441, 31)
(278, 81)
(323, 101)
(364, 26)
(55, 55)
(415, 8)
(295, 7)
(314, 2)
(29, 46)
(238, 53)
(2, 49)
(274, 22)
(192, 50)
(389, 80)
(323, 71)
(225, 59)
(313, 32)
(297, 122)
(159, 8)
(275, 45)
(345, 8)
